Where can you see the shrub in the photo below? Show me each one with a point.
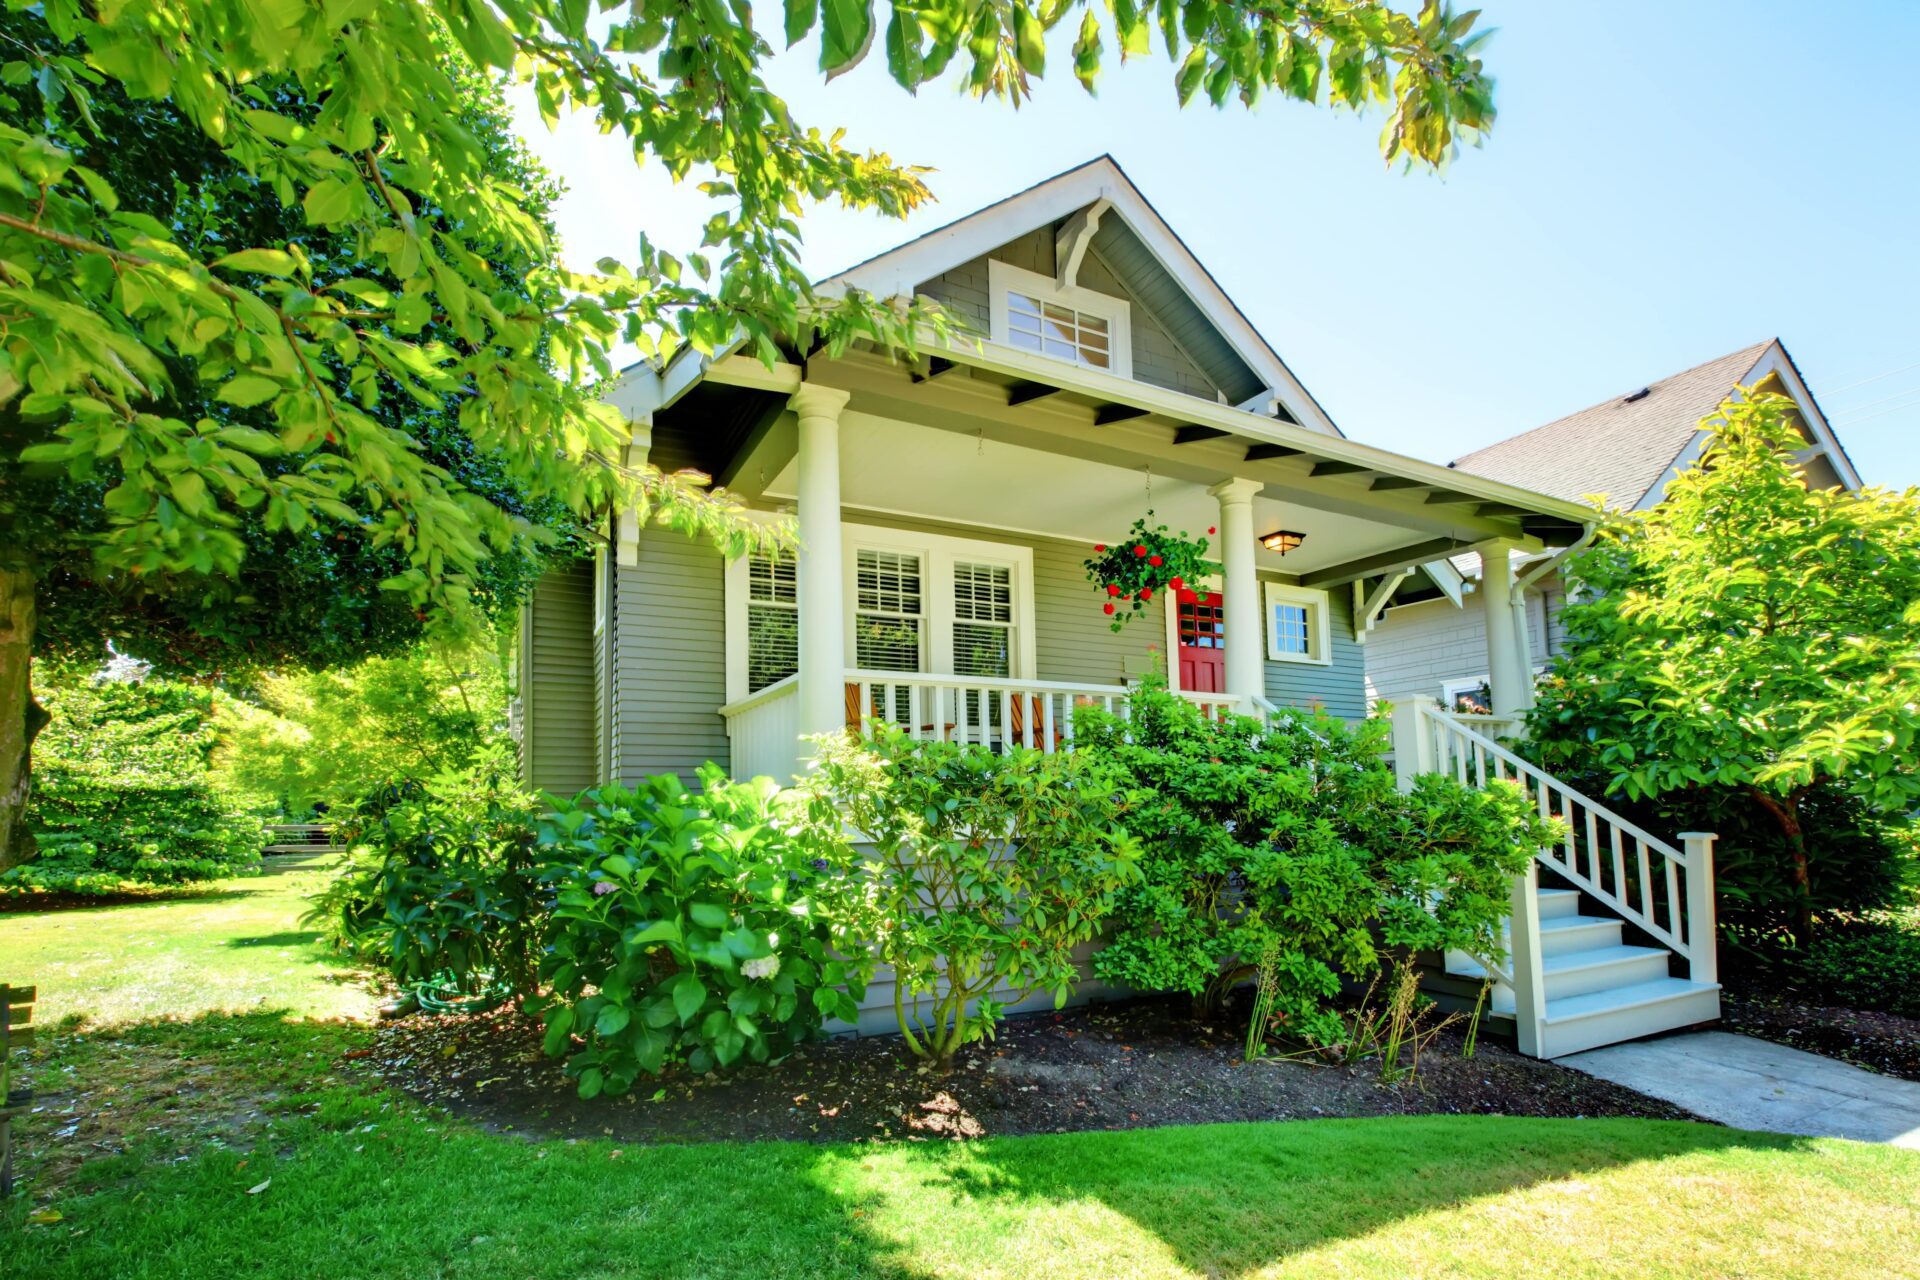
(442, 886)
(1869, 964)
(124, 795)
(1291, 845)
(688, 929)
(984, 872)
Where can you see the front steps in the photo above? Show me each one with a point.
(1599, 989)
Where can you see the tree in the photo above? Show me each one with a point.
(1749, 632)
(108, 309)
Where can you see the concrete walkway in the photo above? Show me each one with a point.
(1756, 1084)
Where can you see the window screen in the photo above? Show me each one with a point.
(773, 620)
(1054, 330)
(888, 614)
(1292, 628)
(982, 620)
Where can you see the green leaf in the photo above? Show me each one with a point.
(271, 262)
(846, 32)
(801, 15)
(332, 200)
(613, 1019)
(708, 915)
(247, 390)
(689, 994)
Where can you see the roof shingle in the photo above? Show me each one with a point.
(1618, 447)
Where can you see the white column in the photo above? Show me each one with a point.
(627, 527)
(1506, 675)
(1246, 656)
(823, 657)
(1522, 644)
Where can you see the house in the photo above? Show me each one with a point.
(944, 508)
(1431, 638)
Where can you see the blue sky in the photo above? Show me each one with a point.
(1666, 183)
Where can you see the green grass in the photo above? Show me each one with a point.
(233, 947)
(230, 1143)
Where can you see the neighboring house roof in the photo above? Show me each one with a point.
(1630, 446)
(1131, 232)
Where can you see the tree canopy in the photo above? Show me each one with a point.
(112, 312)
(1748, 632)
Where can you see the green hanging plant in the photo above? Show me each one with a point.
(1149, 559)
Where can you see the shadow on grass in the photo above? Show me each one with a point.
(1229, 1199)
(34, 903)
(289, 938)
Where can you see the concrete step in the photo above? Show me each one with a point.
(1573, 1023)
(1575, 973)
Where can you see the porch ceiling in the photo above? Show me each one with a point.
(930, 473)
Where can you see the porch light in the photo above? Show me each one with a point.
(1283, 540)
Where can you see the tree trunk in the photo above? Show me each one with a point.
(1786, 813)
(21, 718)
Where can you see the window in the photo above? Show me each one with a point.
(773, 620)
(1031, 312)
(888, 627)
(1297, 629)
(982, 619)
(1472, 696)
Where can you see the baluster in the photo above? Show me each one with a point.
(959, 713)
(1646, 879)
(1480, 765)
(1067, 705)
(1046, 723)
(866, 706)
(1594, 868)
(1673, 898)
(1620, 897)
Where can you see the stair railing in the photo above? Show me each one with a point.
(1664, 891)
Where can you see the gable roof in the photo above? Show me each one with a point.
(1131, 232)
(1622, 447)
(1630, 446)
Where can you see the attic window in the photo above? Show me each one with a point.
(1031, 312)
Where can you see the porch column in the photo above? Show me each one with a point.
(823, 658)
(1246, 661)
(1508, 678)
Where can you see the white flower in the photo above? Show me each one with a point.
(760, 968)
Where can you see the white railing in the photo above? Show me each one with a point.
(1644, 879)
(763, 731)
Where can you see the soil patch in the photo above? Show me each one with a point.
(1114, 1066)
(1883, 1042)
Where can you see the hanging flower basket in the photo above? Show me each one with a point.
(1150, 559)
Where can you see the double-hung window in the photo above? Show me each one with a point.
(773, 620)
(1031, 312)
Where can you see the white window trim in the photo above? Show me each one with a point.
(1004, 277)
(602, 598)
(939, 552)
(1319, 624)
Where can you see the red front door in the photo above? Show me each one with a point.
(1200, 624)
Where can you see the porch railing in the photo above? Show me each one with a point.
(764, 729)
(1663, 891)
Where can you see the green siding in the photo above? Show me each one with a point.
(670, 657)
(559, 749)
(1157, 359)
(1340, 686)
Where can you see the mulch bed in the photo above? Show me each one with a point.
(1883, 1042)
(1114, 1066)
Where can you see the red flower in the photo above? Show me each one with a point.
(1099, 546)
(1176, 584)
(1140, 551)
(1209, 528)
(1109, 606)
(1155, 561)
(1147, 594)
(1113, 589)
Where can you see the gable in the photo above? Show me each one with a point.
(1188, 335)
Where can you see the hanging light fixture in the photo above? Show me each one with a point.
(1282, 540)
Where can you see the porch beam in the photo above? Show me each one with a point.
(1194, 435)
(1448, 497)
(1337, 469)
(1269, 452)
(1112, 413)
(744, 371)
(1384, 561)
(1388, 483)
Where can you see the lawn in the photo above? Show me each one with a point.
(251, 1143)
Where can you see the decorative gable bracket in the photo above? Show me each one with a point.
(1367, 604)
(1071, 241)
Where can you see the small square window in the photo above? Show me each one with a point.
(1297, 624)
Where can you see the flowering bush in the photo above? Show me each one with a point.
(986, 872)
(1293, 843)
(1149, 559)
(688, 928)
